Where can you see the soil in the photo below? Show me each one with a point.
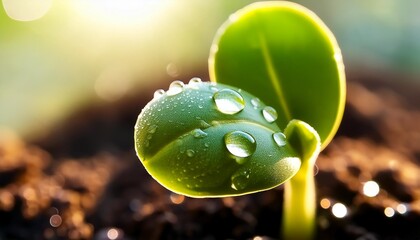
(83, 180)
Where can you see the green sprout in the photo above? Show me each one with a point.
(275, 101)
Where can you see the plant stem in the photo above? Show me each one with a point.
(299, 204)
(299, 207)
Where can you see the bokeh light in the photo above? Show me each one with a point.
(402, 208)
(176, 198)
(325, 203)
(55, 220)
(371, 189)
(26, 10)
(112, 234)
(389, 212)
(339, 210)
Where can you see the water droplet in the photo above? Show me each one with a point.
(240, 180)
(194, 80)
(214, 89)
(229, 101)
(198, 133)
(204, 124)
(175, 88)
(270, 114)
(190, 153)
(194, 83)
(280, 139)
(152, 128)
(256, 102)
(158, 93)
(240, 144)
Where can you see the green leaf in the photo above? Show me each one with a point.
(212, 140)
(284, 54)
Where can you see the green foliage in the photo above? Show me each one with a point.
(284, 54)
(212, 140)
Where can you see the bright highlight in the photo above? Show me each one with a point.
(120, 12)
(26, 10)
(389, 212)
(371, 189)
(339, 210)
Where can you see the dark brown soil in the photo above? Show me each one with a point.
(83, 180)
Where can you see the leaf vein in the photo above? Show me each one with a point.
(274, 78)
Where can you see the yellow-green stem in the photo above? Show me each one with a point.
(300, 205)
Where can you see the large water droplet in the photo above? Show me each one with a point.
(280, 139)
(256, 102)
(175, 88)
(158, 93)
(240, 180)
(198, 133)
(270, 114)
(240, 144)
(229, 101)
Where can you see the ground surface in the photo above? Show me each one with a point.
(83, 181)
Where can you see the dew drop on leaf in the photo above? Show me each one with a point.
(280, 139)
(204, 124)
(158, 93)
(152, 129)
(256, 102)
(240, 180)
(270, 114)
(198, 133)
(194, 80)
(228, 101)
(190, 153)
(214, 89)
(240, 144)
(175, 88)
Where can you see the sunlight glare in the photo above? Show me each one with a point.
(26, 10)
(113, 83)
(120, 12)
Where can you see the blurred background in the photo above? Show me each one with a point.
(57, 56)
(74, 75)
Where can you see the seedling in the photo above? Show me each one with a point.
(275, 101)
